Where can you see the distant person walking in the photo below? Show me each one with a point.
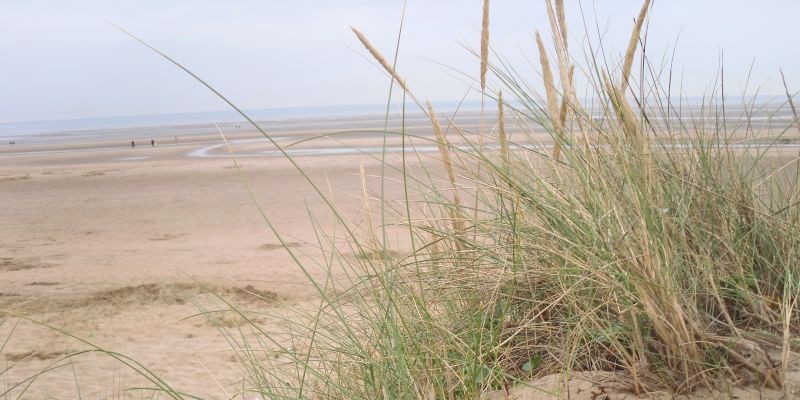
(152, 143)
(133, 144)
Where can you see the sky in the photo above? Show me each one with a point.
(64, 60)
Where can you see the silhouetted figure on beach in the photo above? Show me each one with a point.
(133, 144)
(152, 143)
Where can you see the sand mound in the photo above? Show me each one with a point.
(42, 283)
(32, 355)
(15, 264)
(15, 178)
(134, 295)
(276, 246)
(611, 386)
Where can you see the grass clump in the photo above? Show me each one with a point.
(663, 253)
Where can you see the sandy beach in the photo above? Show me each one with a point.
(109, 244)
(122, 246)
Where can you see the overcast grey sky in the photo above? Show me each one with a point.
(61, 60)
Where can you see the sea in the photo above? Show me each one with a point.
(191, 123)
(288, 118)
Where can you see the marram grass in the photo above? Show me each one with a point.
(673, 266)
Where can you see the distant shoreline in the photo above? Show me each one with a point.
(20, 129)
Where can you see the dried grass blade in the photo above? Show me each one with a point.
(633, 42)
(484, 44)
(380, 59)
